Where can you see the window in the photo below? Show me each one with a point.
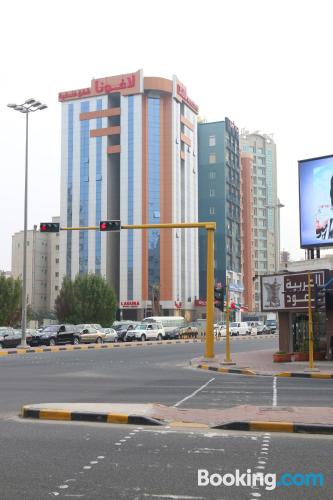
(212, 175)
(57, 247)
(212, 158)
(57, 261)
(56, 287)
(211, 210)
(212, 140)
(212, 193)
(57, 275)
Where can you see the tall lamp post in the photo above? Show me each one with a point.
(29, 106)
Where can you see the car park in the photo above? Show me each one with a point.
(110, 334)
(60, 334)
(88, 334)
(149, 331)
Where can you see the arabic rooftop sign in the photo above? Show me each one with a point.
(290, 291)
(131, 83)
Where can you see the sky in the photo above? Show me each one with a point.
(265, 64)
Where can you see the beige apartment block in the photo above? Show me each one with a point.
(42, 266)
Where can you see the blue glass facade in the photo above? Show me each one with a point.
(70, 112)
(153, 191)
(84, 189)
(99, 107)
(130, 190)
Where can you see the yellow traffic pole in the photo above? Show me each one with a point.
(311, 366)
(227, 317)
(209, 348)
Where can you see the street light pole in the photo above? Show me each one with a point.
(27, 107)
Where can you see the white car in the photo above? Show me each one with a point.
(240, 328)
(149, 331)
(110, 335)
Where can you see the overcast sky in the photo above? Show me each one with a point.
(266, 64)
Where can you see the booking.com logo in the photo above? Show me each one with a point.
(253, 479)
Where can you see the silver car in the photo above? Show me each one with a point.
(110, 334)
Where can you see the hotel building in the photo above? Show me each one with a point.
(129, 147)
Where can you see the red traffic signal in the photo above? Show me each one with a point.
(110, 225)
(49, 227)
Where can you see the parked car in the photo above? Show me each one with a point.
(149, 331)
(88, 334)
(110, 334)
(259, 328)
(239, 328)
(9, 338)
(122, 329)
(173, 334)
(272, 325)
(60, 334)
(34, 339)
(189, 331)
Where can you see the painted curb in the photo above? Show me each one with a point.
(113, 345)
(247, 371)
(76, 416)
(277, 427)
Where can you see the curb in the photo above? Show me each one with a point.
(75, 416)
(112, 345)
(277, 427)
(247, 371)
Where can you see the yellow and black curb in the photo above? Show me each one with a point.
(258, 426)
(242, 371)
(115, 345)
(247, 371)
(77, 416)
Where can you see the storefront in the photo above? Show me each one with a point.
(288, 296)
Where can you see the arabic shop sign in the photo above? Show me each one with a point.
(180, 93)
(290, 291)
(125, 84)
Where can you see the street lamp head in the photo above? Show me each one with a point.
(40, 108)
(19, 108)
(11, 105)
(35, 104)
(30, 101)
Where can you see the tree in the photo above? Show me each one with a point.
(10, 301)
(87, 299)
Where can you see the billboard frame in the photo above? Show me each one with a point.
(312, 245)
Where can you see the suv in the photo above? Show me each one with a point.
(59, 334)
(148, 331)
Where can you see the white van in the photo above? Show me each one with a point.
(240, 328)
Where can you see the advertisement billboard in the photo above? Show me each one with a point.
(315, 177)
(290, 291)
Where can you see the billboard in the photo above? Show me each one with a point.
(315, 177)
(290, 291)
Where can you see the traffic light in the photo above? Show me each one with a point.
(49, 227)
(320, 299)
(110, 225)
(219, 297)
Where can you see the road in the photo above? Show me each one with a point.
(73, 460)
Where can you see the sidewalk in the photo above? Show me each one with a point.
(261, 363)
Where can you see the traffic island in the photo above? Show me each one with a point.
(311, 420)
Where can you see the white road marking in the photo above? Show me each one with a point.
(193, 393)
(275, 391)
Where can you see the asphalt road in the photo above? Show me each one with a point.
(42, 460)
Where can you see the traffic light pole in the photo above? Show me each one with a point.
(227, 318)
(210, 227)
